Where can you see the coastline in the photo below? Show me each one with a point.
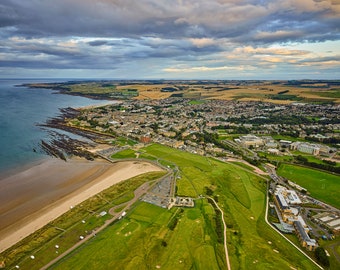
(18, 168)
(37, 195)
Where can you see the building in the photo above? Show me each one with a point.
(284, 143)
(296, 186)
(284, 200)
(281, 203)
(307, 148)
(145, 139)
(329, 220)
(290, 196)
(181, 202)
(251, 140)
(269, 142)
(273, 151)
(304, 238)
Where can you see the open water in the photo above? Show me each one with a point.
(21, 109)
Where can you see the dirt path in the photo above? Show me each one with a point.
(256, 169)
(225, 235)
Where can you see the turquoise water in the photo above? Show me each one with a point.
(21, 109)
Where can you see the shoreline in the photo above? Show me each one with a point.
(18, 168)
(32, 198)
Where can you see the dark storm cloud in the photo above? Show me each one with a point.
(105, 34)
(98, 43)
(127, 18)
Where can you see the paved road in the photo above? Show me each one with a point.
(138, 193)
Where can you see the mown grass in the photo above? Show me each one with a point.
(243, 165)
(322, 185)
(143, 241)
(196, 102)
(244, 206)
(123, 141)
(193, 244)
(127, 153)
(333, 248)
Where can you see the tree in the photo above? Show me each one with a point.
(321, 256)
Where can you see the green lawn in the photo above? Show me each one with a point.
(243, 165)
(123, 141)
(196, 102)
(143, 240)
(128, 153)
(323, 186)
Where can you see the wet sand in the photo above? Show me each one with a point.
(33, 197)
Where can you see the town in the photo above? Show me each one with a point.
(244, 130)
(200, 126)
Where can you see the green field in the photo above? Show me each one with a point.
(333, 93)
(66, 229)
(323, 186)
(196, 102)
(128, 153)
(146, 238)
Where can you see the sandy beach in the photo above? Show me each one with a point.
(33, 197)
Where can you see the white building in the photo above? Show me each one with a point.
(251, 140)
(307, 148)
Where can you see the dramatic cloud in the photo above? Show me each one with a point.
(159, 38)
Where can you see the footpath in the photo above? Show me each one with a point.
(139, 192)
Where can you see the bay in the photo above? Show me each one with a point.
(21, 109)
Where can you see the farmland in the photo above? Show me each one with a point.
(280, 92)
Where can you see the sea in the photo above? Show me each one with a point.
(21, 110)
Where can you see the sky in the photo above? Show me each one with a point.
(170, 39)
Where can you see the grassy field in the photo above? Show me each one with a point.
(333, 248)
(145, 239)
(128, 153)
(65, 230)
(334, 93)
(323, 186)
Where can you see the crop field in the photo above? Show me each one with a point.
(280, 93)
(150, 237)
(323, 186)
(266, 92)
